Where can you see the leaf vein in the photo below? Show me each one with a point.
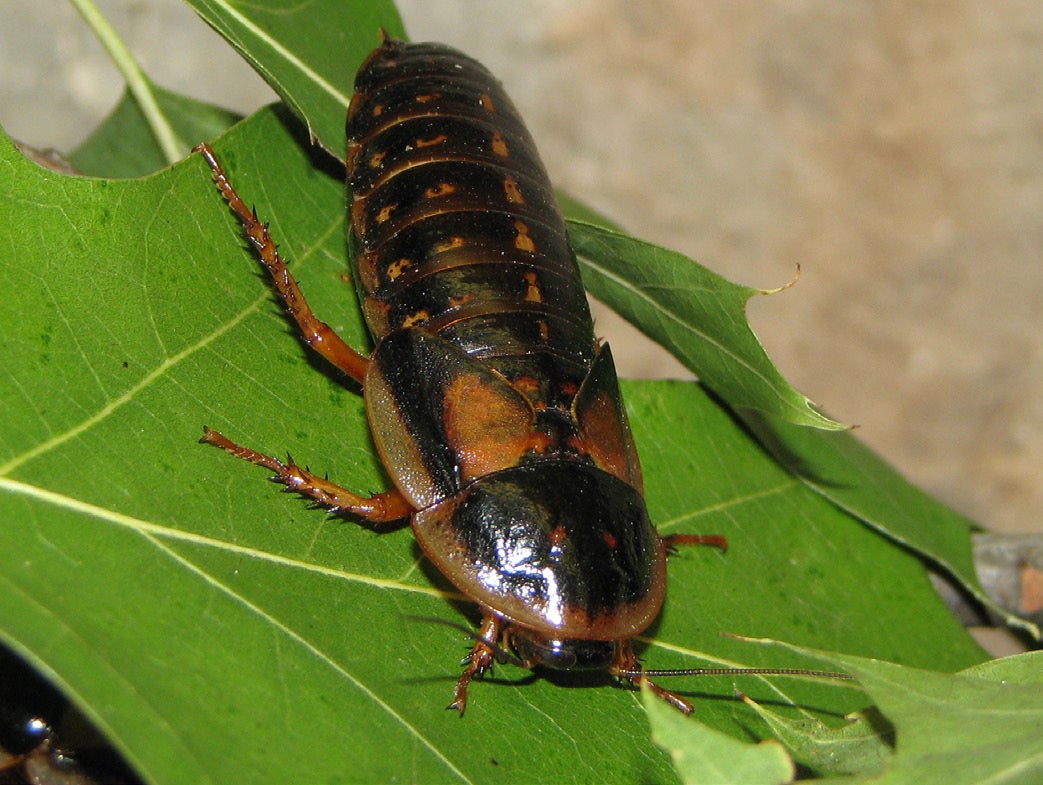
(285, 53)
(168, 533)
(158, 372)
(311, 647)
(729, 503)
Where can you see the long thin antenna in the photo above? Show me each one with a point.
(502, 655)
(659, 673)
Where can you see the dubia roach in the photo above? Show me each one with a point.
(496, 412)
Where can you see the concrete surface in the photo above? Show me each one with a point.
(894, 150)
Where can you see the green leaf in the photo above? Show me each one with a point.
(307, 52)
(124, 146)
(979, 725)
(218, 631)
(857, 480)
(860, 745)
(693, 312)
(703, 756)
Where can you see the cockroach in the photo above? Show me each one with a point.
(496, 412)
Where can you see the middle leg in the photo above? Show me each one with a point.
(379, 508)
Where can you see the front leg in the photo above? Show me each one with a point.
(481, 658)
(627, 667)
(379, 508)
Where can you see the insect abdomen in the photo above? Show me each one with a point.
(455, 223)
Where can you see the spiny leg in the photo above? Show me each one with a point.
(481, 658)
(627, 667)
(317, 334)
(379, 508)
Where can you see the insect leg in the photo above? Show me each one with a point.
(317, 334)
(671, 541)
(379, 508)
(627, 667)
(480, 659)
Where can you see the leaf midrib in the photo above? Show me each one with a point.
(150, 530)
(286, 54)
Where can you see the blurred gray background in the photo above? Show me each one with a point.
(894, 150)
